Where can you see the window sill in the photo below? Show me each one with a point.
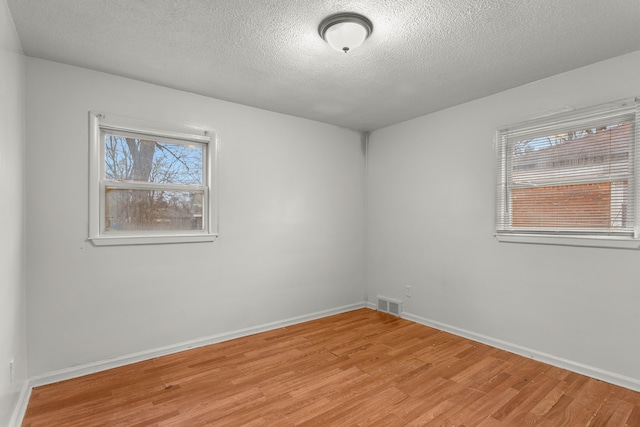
(591, 241)
(151, 240)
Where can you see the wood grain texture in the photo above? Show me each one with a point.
(361, 368)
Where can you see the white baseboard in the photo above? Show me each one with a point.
(21, 406)
(102, 365)
(590, 371)
(89, 368)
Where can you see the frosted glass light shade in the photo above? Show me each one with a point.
(345, 31)
(345, 36)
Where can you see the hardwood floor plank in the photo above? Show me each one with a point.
(634, 416)
(612, 413)
(361, 368)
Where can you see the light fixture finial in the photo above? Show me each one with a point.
(345, 31)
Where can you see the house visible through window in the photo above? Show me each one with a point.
(570, 176)
(149, 185)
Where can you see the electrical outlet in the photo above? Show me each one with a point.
(407, 291)
(11, 371)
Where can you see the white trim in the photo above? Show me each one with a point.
(21, 406)
(102, 365)
(209, 188)
(90, 368)
(587, 241)
(136, 185)
(151, 239)
(136, 126)
(633, 184)
(572, 118)
(95, 210)
(213, 180)
(591, 371)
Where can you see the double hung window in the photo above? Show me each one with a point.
(149, 184)
(570, 179)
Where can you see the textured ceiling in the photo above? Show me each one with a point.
(423, 55)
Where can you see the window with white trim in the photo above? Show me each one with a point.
(570, 179)
(150, 184)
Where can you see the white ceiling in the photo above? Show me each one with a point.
(423, 55)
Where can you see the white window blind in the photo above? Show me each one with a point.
(573, 174)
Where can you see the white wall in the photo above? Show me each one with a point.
(291, 225)
(12, 284)
(431, 185)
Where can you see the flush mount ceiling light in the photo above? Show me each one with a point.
(345, 31)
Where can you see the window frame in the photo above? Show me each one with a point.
(559, 236)
(98, 123)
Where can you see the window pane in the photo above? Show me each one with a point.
(588, 161)
(145, 160)
(597, 205)
(586, 154)
(152, 210)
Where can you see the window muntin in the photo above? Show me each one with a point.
(149, 185)
(572, 175)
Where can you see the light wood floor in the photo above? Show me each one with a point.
(354, 369)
